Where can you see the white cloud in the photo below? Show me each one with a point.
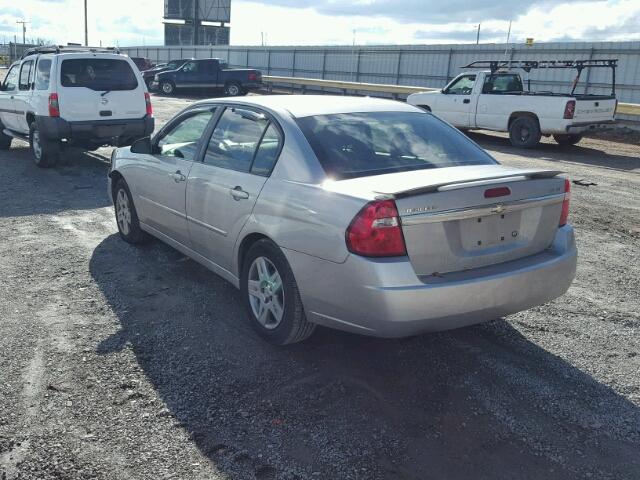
(137, 22)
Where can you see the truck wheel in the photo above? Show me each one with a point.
(524, 132)
(45, 152)
(149, 81)
(167, 88)
(568, 139)
(232, 89)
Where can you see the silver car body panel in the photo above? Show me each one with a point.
(445, 281)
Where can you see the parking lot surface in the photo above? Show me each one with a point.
(137, 363)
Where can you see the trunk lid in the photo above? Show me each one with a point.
(450, 225)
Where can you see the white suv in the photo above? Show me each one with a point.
(86, 97)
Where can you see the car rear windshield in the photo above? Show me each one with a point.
(353, 145)
(98, 74)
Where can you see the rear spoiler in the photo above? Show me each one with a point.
(528, 174)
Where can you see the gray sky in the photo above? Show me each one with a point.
(306, 22)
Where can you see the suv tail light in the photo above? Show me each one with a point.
(253, 77)
(376, 231)
(147, 101)
(564, 215)
(569, 110)
(54, 105)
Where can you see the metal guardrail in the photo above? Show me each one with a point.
(623, 108)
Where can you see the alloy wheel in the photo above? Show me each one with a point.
(266, 294)
(123, 212)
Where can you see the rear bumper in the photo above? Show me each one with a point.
(112, 132)
(561, 126)
(585, 126)
(385, 297)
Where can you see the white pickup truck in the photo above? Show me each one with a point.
(496, 100)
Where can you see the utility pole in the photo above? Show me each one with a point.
(196, 10)
(86, 29)
(24, 31)
(478, 35)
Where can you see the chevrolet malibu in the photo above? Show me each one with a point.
(361, 214)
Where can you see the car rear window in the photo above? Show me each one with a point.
(98, 74)
(353, 145)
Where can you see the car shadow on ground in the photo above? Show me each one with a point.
(52, 190)
(553, 152)
(479, 402)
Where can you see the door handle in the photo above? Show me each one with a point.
(178, 176)
(238, 193)
(466, 100)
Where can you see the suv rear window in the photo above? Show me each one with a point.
(98, 74)
(353, 145)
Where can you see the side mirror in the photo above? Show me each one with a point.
(142, 145)
(3, 87)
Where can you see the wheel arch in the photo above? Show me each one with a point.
(244, 246)
(515, 115)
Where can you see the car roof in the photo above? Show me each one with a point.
(310, 105)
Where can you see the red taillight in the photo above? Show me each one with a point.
(564, 215)
(54, 105)
(497, 192)
(253, 77)
(376, 231)
(569, 110)
(147, 101)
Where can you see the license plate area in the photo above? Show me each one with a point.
(491, 231)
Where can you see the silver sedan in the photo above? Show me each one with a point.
(361, 214)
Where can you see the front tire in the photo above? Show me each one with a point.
(45, 152)
(567, 139)
(232, 89)
(126, 215)
(271, 296)
(167, 88)
(524, 132)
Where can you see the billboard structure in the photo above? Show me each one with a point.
(197, 22)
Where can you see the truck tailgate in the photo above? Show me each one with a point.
(595, 110)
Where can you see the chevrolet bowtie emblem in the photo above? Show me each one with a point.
(499, 209)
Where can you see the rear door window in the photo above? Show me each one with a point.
(497, 84)
(235, 139)
(98, 74)
(43, 72)
(25, 75)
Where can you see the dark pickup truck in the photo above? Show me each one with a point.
(208, 73)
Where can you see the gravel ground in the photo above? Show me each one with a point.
(137, 363)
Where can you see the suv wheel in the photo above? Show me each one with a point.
(167, 87)
(271, 297)
(126, 215)
(524, 132)
(232, 89)
(45, 152)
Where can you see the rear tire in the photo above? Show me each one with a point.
(567, 139)
(126, 215)
(524, 132)
(45, 152)
(232, 89)
(167, 88)
(268, 285)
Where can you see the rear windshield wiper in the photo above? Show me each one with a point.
(104, 93)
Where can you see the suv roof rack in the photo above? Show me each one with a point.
(67, 49)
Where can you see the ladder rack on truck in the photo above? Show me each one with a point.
(528, 65)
